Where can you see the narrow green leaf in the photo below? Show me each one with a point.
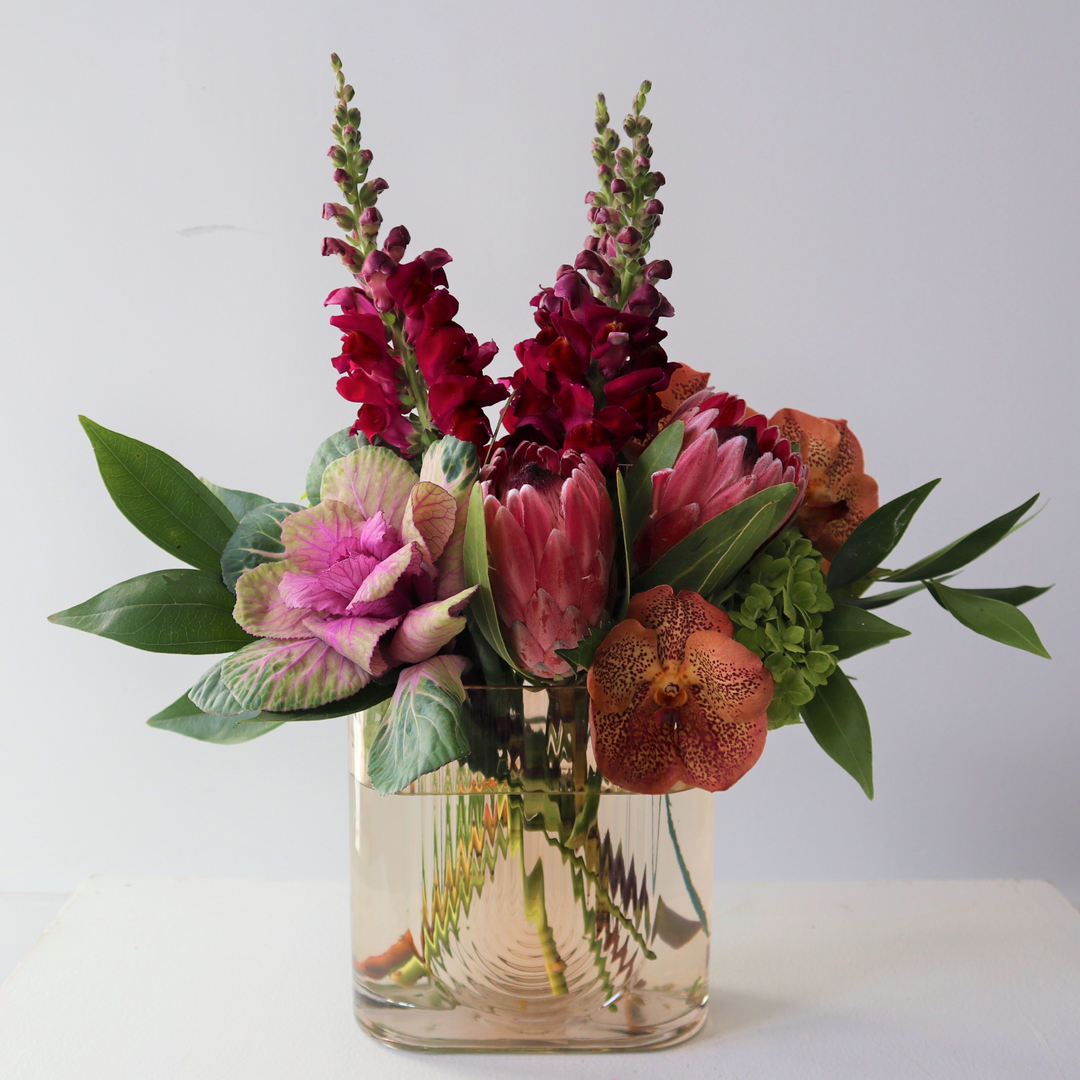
(1017, 595)
(257, 538)
(422, 728)
(855, 630)
(373, 694)
(338, 445)
(875, 537)
(627, 541)
(172, 611)
(581, 656)
(476, 573)
(992, 618)
(163, 500)
(868, 603)
(837, 719)
(659, 454)
(187, 719)
(707, 559)
(968, 548)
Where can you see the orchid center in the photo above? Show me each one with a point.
(669, 687)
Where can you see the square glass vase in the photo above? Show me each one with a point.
(517, 901)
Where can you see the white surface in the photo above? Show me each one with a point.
(23, 919)
(243, 979)
(872, 213)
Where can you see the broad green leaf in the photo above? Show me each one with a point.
(212, 696)
(968, 548)
(163, 500)
(187, 719)
(627, 541)
(581, 656)
(837, 719)
(238, 502)
(172, 611)
(279, 675)
(992, 618)
(256, 539)
(371, 695)
(855, 630)
(422, 729)
(708, 559)
(476, 573)
(338, 445)
(659, 454)
(875, 537)
(1017, 595)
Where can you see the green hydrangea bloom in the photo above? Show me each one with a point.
(776, 605)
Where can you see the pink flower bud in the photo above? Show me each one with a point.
(342, 177)
(628, 236)
(658, 179)
(366, 156)
(333, 210)
(591, 243)
(654, 207)
(379, 185)
(618, 186)
(589, 196)
(658, 270)
(641, 161)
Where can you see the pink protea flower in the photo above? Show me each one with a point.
(727, 455)
(360, 589)
(551, 543)
(675, 698)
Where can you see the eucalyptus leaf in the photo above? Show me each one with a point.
(875, 537)
(708, 559)
(1017, 595)
(161, 498)
(482, 607)
(187, 719)
(238, 502)
(211, 694)
(422, 729)
(992, 618)
(837, 719)
(963, 551)
(659, 454)
(256, 539)
(855, 630)
(171, 611)
(338, 445)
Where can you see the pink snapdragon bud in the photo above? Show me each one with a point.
(618, 186)
(654, 207)
(397, 240)
(628, 236)
(658, 270)
(342, 177)
(370, 220)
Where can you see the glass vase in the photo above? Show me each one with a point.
(517, 901)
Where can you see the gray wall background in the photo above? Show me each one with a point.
(872, 213)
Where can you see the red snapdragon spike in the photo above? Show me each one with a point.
(551, 544)
(727, 455)
(675, 698)
(839, 494)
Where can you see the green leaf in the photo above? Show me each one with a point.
(968, 548)
(659, 454)
(172, 611)
(211, 694)
(1019, 594)
(338, 445)
(581, 656)
(992, 618)
(257, 539)
(837, 719)
(875, 537)
(238, 502)
(708, 559)
(476, 573)
(867, 603)
(855, 630)
(627, 542)
(422, 729)
(375, 693)
(187, 719)
(163, 500)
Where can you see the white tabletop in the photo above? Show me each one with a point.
(150, 979)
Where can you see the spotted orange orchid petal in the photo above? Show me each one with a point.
(839, 494)
(675, 698)
(684, 383)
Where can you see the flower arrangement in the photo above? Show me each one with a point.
(703, 569)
